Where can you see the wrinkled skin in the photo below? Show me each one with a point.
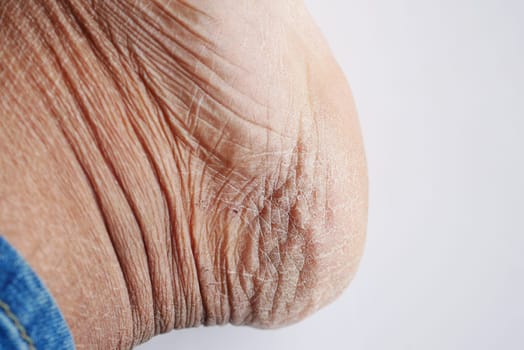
(168, 164)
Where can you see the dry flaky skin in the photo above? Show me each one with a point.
(167, 164)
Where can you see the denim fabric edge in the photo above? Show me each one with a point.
(29, 305)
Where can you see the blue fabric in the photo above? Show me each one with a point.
(29, 317)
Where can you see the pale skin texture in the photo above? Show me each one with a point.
(169, 164)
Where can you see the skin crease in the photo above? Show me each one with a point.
(169, 164)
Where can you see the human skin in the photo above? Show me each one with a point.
(169, 164)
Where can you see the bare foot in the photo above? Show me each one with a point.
(167, 164)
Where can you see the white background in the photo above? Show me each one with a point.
(440, 90)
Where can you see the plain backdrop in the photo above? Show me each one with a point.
(440, 90)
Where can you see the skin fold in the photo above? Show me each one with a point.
(170, 164)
